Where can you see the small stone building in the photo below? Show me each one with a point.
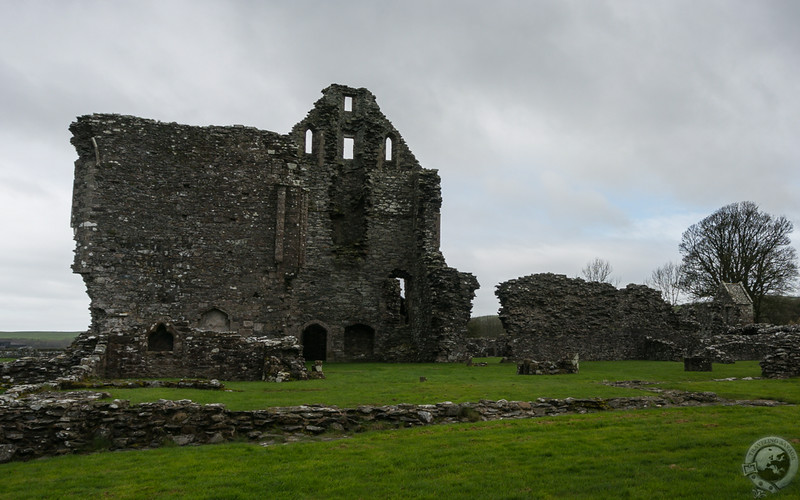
(731, 307)
(195, 242)
(735, 304)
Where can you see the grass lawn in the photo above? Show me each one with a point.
(353, 384)
(655, 453)
(659, 453)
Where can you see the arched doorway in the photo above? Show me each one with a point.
(160, 339)
(315, 343)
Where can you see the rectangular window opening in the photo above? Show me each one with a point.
(349, 143)
(348, 103)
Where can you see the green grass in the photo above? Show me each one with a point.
(657, 453)
(353, 384)
(660, 453)
(5, 360)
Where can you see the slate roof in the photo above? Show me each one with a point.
(736, 292)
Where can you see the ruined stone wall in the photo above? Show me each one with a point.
(206, 354)
(752, 342)
(547, 316)
(198, 235)
(714, 318)
(46, 425)
(783, 360)
(84, 358)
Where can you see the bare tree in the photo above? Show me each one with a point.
(739, 243)
(667, 280)
(599, 270)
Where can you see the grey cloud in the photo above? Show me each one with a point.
(561, 129)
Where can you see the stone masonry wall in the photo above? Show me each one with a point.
(48, 424)
(548, 316)
(752, 342)
(783, 361)
(202, 235)
(84, 358)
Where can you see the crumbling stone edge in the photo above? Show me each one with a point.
(47, 424)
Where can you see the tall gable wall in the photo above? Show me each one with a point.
(184, 232)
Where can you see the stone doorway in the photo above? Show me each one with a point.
(160, 339)
(315, 343)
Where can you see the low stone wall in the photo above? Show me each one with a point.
(561, 367)
(84, 358)
(200, 353)
(697, 364)
(255, 358)
(47, 424)
(752, 342)
(29, 352)
(484, 347)
(784, 360)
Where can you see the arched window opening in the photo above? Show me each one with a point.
(347, 150)
(315, 343)
(359, 341)
(160, 339)
(348, 103)
(309, 141)
(215, 320)
(388, 149)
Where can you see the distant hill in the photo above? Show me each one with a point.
(485, 326)
(780, 310)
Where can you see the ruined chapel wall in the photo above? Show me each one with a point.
(164, 216)
(547, 316)
(232, 229)
(375, 223)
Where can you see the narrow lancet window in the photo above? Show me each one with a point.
(309, 140)
(388, 148)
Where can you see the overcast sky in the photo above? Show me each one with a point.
(563, 131)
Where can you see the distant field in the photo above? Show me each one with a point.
(39, 335)
(41, 340)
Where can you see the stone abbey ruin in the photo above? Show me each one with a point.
(548, 316)
(238, 254)
(201, 247)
